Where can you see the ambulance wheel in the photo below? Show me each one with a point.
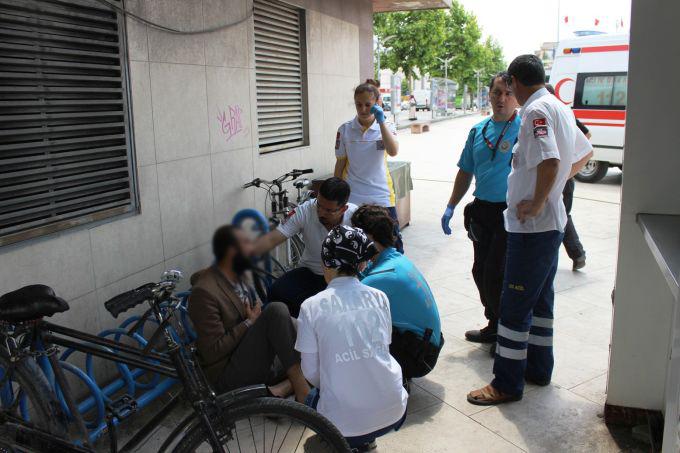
(593, 171)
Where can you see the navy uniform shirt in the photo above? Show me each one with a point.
(491, 175)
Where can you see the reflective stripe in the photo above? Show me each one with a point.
(539, 340)
(512, 334)
(513, 354)
(542, 322)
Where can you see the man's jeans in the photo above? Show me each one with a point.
(296, 286)
(525, 328)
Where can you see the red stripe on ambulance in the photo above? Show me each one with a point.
(600, 114)
(616, 48)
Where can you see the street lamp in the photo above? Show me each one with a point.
(446, 81)
(381, 44)
(477, 73)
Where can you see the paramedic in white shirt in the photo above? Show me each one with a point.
(361, 149)
(344, 335)
(550, 150)
(313, 219)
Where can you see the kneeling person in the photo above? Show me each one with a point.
(344, 334)
(238, 340)
(314, 219)
(416, 335)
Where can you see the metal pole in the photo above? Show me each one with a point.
(378, 72)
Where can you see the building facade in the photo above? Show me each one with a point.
(195, 137)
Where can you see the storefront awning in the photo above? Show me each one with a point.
(382, 6)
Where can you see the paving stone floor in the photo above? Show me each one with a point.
(563, 417)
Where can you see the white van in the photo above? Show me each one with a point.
(422, 99)
(590, 74)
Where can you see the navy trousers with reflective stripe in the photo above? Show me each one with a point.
(525, 327)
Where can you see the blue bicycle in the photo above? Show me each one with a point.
(40, 413)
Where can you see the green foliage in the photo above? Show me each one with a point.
(413, 41)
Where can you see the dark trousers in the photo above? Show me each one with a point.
(484, 222)
(525, 326)
(571, 241)
(296, 286)
(253, 362)
(399, 244)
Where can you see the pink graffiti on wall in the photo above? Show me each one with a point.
(230, 121)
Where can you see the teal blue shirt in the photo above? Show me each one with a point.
(412, 304)
(491, 175)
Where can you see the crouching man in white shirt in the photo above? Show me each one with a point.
(344, 335)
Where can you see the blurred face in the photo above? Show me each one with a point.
(330, 212)
(502, 99)
(518, 90)
(245, 243)
(363, 103)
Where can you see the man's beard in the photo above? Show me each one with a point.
(241, 264)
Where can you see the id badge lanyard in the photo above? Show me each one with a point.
(491, 146)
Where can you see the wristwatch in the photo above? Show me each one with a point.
(248, 323)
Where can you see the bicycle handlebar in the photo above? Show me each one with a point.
(278, 181)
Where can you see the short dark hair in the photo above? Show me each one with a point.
(502, 75)
(376, 221)
(528, 70)
(550, 88)
(335, 189)
(223, 238)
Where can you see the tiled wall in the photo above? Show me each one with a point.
(189, 170)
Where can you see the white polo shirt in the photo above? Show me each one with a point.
(366, 171)
(548, 131)
(306, 221)
(348, 329)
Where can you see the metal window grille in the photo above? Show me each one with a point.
(66, 156)
(280, 75)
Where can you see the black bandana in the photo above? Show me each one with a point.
(346, 245)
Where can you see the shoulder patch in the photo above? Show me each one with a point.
(540, 128)
(337, 141)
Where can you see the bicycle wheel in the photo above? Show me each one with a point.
(27, 395)
(297, 247)
(268, 425)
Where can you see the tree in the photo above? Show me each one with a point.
(413, 41)
(410, 39)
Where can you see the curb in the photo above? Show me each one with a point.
(407, 124)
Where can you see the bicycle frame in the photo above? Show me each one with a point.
(177, 366)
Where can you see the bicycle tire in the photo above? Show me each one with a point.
(271, 408)
(47, 414)
(297, 248)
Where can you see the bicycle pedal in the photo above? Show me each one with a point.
(123, 407)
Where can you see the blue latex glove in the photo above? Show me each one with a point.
(446, 219)
(378, 113)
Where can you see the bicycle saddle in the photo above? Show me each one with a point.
(30, 302)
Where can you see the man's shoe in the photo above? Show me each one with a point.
(485, 335)
(579, 263)
(369, 446)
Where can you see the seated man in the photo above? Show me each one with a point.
(416, 338)
(313, 218)
(344, 334)
(238, 340)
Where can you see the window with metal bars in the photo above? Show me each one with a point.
(66, 154)
(280, 73)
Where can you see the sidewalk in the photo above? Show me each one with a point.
(405, 123)
(565, 416)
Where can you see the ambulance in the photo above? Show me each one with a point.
(590, 74)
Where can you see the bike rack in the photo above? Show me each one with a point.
(99, 395)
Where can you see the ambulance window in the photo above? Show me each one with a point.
(598, 90)
(620, 90)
